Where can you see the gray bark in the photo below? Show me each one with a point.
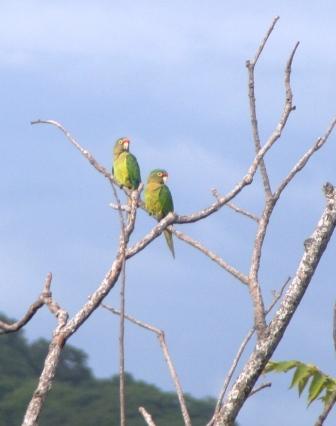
(314, 248)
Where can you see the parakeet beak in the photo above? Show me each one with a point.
(126, 145)
(165, 178)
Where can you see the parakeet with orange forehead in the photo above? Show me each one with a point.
(158, 200)
(125, 169)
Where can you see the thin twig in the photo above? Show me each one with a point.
(250, 64)
(264, 41)
(131, 219)
(171, 217)
(122, 402)
(259, 388)
(255, 291)
(161, 336)
(16, 326)
(334, 326)
(54, 352)
(63, 332)
(313, 251)
(322, 417)
(276, 297)
(147, 417)
(221, 262)
(83, 151)
(237, 209)
(304, 159)
(122, 345)
(243, 212)
(45, 298)
(230, 373)
(123, 207)
(61, 315)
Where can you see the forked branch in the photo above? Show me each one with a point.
(161, 336)
(314, 249)
(250, 64)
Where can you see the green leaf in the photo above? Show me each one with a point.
(302, 383)
(300, 377)
(281, 366)
(317, 385)
(328, 396)
(303, 373)
(330, 386)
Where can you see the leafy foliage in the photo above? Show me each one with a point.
(77, 397)
(318, 383)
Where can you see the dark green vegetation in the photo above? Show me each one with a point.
(77, 397)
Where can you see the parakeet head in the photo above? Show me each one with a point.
(121, 145)
(158, 176)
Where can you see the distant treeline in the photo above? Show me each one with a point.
(77, 397)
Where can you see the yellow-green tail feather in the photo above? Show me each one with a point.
(169, 238)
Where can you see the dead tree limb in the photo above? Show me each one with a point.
(64, 331)
(250, 65)
(242, 347)
(314, 249)
(33, 308)
(161, 336)
(322, 417)
(147, 417)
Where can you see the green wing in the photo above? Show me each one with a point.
(133, 170)
(126, 171)
(167, 205)
(166, 200)
(159, 202)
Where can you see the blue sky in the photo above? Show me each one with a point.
(171, 77)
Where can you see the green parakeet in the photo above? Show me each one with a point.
(158, 200)
(125, 169)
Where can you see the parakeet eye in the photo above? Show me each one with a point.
(159, 174)
(120, 142)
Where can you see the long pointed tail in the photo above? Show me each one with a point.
(169, 238)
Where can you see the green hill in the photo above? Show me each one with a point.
(77, 397)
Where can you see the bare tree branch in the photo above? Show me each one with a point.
(255, 291)
(130, 222)
(45, 298)
(243, 212)
(264, 41)
(259, 388)
(55, 348)
(314, 248)
(334, 326)
(83, 151)
(247, 338)
(268, 336)
(64, 331)
(123, 207)
(237, 209)
(147, 417)
(322, 417)
(246, 180)
(122, 403)
(228, 378)
(237, 274)
(250, 64)
(33, 308)
(61, 315)
(161, 336)
(232, 206)
(304, 159)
